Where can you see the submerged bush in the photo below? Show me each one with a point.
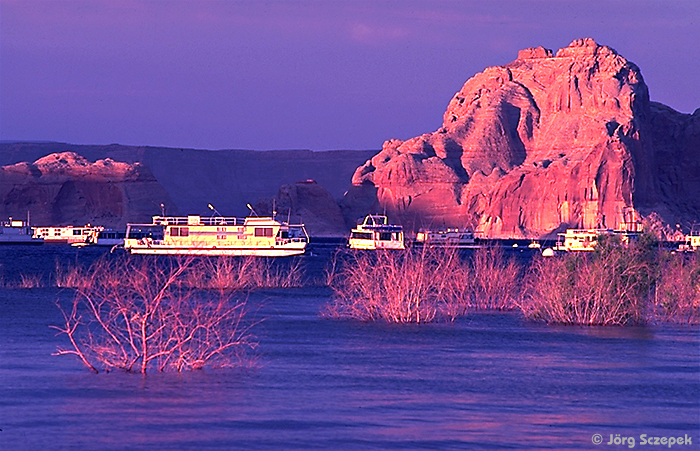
(608, 286)
(237, 273)
(71, 276)
(493, 281)
(30, 281)
(420, 285)
(134, 314)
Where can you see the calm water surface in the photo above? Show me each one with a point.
(489, 381)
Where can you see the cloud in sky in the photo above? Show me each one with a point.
(283, 74)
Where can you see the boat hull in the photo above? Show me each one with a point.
(19, 239)
(354, 243)
(225, 251)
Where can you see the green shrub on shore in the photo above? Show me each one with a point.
(617, 284)
(677, 294)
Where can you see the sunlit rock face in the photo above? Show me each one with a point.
(66, 189)
(547, 142)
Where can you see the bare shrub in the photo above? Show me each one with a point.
(70, 277)
(493, 280)
(395, 286)
(330, 271)
(132, 314)
(236, 273)
(606, 287)
(420, 285)
(28, 281)
(677, 294)
(268, 273)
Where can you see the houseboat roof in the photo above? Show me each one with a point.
(378, 223)
(197, 220)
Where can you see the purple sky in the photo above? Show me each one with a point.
(297, 74)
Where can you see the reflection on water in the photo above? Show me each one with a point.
(490, 381)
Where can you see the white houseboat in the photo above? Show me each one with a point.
(106, 237)
(216, 235)
(13, 231)
(446, 238)
(109, 237)
(587, 239)
(68, 234)
(375, 232)
(692, 240)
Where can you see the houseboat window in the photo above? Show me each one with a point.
(385, 236)
(362, 235)
(263, 231)
(145, 231)
(296, 232)
(77, 232)
(179, 231)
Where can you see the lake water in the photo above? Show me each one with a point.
(486, 382)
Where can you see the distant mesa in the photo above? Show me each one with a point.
(65, 188)
(193, 178)
(546, 142)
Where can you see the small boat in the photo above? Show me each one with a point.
(106, 237)
(446, 238)
(73, 235)
(578, 240)
(216, 235)
(109, 237)
(13, 231)
(375, 232)
(692, 240)
(587, 239)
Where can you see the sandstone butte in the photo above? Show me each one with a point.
(307, 202)
(66, 189)
(544, 143)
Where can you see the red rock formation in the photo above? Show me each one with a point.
(65, 188)
(307, 202)
(544, 143)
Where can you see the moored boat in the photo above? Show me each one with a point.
(74, 235)
(216, 235)
(692, 240)
(586, 240)
(13, 231)
(109, 237)
(106, 237)
(375, 232)
(446, 238)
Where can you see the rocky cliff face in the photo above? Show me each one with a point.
(65, 188)
(309, 203)
(547, 142)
